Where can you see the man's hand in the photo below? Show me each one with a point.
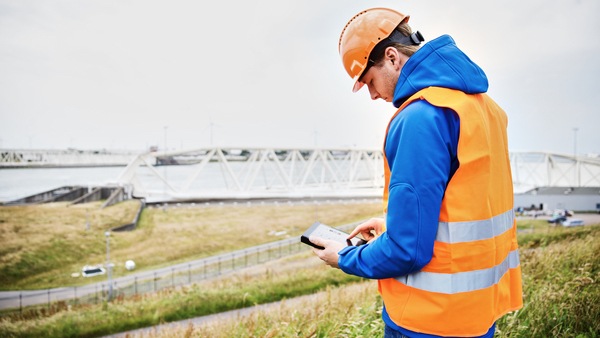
(329, 254)
(369, 230)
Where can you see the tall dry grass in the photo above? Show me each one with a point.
(43, 245)
(348, 311)
(282, 279)
(561, 285)
(561, 277)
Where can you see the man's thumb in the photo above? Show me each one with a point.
(316, 240)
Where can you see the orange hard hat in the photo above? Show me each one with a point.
(361, 34)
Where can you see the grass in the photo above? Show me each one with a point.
(350, 311)
(286, 278)
(561, 273)
(43, 245)
(561, 278)
(42, 242)
(561, 285)
(536, 233)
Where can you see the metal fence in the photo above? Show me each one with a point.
(159, 279)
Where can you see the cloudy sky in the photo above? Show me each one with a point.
(120, 74)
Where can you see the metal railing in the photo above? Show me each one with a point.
(152, 281)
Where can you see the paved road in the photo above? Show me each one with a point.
(17, 299)
(587, 218)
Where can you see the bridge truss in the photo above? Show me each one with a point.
(531, 170)
(44, 158)
(226, 173)
(242, 173)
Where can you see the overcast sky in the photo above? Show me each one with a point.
(121, 74)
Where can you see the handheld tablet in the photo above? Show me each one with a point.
(324, 231)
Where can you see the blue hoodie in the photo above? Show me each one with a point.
(421, 148)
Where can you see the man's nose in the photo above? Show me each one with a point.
(373, 92)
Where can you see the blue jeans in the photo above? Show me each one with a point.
(391, 333)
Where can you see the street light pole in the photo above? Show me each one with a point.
(576, 167)
(166, 161)
(166, 127)
(575, 130)
(108, 265)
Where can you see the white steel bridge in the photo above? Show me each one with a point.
(61, 158)
(243, 173)
(225, 173)
(532, 170)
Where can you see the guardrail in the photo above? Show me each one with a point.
(159, 279)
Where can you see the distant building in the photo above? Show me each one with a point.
(551, 198)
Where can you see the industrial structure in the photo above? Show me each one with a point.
(254, 173)
(546, 180)
(63, 158)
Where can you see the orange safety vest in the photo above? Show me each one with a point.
(474, 276)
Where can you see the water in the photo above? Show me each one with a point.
(183, 179)
(19, 183)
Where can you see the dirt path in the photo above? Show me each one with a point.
(156, 330)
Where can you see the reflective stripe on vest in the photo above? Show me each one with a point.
(456, 232)
(461, 281)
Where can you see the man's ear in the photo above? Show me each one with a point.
(391, 54)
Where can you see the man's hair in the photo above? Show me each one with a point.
(407, 50)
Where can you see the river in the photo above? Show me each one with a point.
(23, 182)
(19, 183)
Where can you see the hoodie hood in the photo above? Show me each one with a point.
(439, 63)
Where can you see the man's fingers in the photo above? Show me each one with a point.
(363, 229)
(330, 252)
(354, 232)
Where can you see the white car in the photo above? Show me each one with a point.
(572, 222)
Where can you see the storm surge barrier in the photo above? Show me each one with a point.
(63, 158)
(254, 173)
(151, 281)
(230, 173)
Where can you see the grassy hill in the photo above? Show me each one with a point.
(42, 245)
(561, 272)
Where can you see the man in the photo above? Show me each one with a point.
(446, 253)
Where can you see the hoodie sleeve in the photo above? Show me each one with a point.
(421, 151)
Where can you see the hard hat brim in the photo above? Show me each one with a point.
(357, 86)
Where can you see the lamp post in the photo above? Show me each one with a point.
(575, 166)
(165, 128)
(575, 130)
(108, 265)
(166, 161)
